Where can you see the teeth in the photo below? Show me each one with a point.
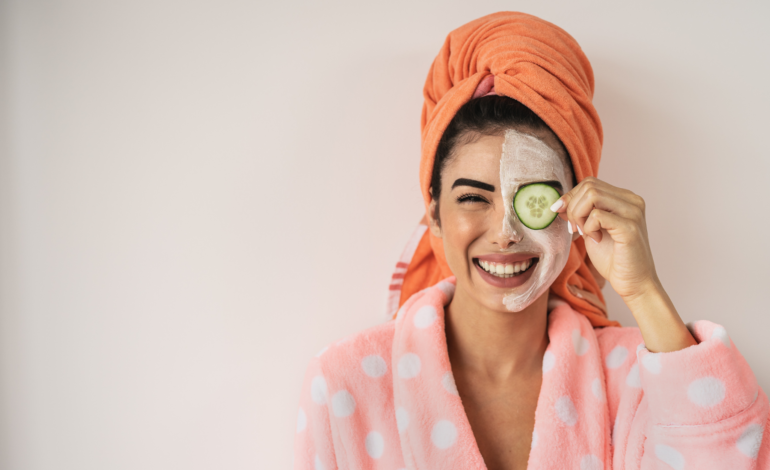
(505, 270)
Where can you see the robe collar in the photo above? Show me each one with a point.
(572, 426)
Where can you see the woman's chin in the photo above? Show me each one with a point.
(517, 298)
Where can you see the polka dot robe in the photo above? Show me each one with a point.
(386, 399)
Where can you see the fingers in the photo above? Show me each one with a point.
(595, 198)
(621, 229)
(593, 194)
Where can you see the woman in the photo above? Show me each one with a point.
(501, 355)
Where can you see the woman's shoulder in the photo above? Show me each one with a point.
(357, 359)
(618, 347)
(612, 337)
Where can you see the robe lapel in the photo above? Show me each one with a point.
(571, 419)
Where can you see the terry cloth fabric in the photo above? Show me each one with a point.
(386, 399)
(541, 66)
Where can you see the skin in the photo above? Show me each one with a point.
(497, 354)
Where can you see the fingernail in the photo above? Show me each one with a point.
(569, 227)
(579, 230)
(595, 241)
(557, 205)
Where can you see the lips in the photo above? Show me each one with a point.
(506, 271)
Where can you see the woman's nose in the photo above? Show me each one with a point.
(510, 231)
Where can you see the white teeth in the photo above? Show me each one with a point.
(505, 270)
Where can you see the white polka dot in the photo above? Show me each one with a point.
(318, 464)
(579, 342)
(374, 366)
(444, 434)
(343, 404)
(375, 444)
(633, 379)
(750, 440)
(409, 366)
(320, 353)
(598, 389)
(566, 411)
(706, 391)
(721, 334)
(402, 419)
(616, 357)
(591, 462)
(318, 390)
(651, 362)
(425, 317)
(448, 382)
(301, 420)
(549, 360)
(639, 347)
(534, 438)
(670, 456)
(447, 288)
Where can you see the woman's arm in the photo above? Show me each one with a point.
(612, 222)
(703, 406)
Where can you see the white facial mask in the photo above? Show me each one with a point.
(527, 159)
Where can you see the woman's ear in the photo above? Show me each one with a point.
(433, 217)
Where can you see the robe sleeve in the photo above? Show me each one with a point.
(704, 406)
(313, 443)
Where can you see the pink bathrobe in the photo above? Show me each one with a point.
(386, 399)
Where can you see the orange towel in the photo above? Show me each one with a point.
(543, 67)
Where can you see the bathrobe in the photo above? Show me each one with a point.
(385, 399)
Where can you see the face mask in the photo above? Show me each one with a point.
(527, 159)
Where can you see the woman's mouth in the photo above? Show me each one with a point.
(506, 274)
(505, 270)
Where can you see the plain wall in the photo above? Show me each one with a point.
(195, 197)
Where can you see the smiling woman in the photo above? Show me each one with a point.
(501, 355)
(498, 141)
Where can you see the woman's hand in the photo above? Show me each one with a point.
(614, 221)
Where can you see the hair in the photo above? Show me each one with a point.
(488, 115)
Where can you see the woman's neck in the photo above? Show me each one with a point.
(496, 345)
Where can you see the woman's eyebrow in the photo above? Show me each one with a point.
(473, 183)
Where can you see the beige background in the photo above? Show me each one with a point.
(195, 197)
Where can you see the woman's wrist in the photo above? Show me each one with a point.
(661, 326)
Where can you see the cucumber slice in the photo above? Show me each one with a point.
(532, 204)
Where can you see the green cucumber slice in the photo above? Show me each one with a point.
(532, 204)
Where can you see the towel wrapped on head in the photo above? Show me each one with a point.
(541, 66)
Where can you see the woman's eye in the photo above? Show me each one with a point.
(470, 198)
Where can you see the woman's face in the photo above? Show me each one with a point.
(498, 261)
